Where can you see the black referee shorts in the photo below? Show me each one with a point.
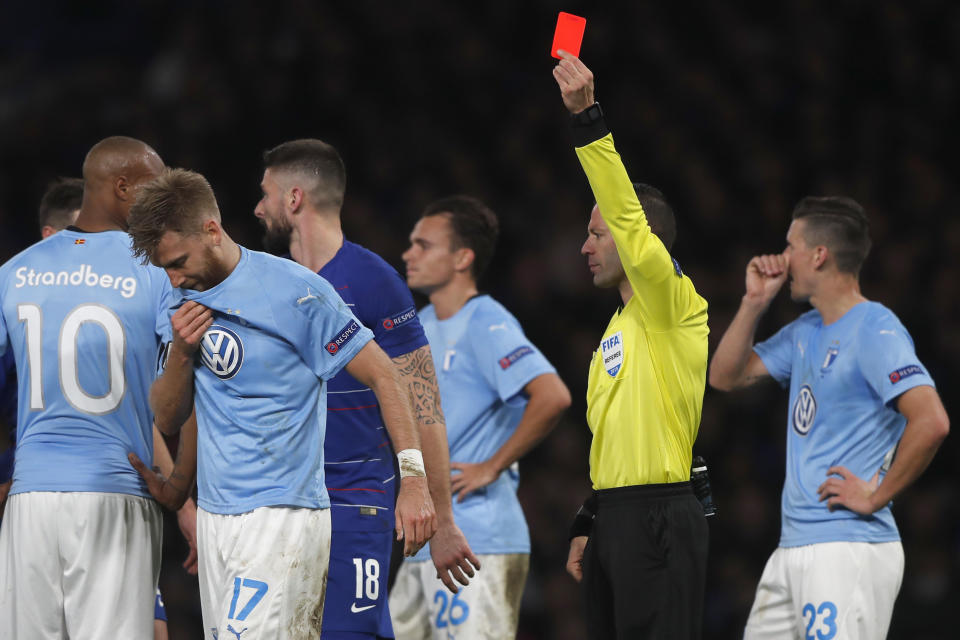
(644, 567)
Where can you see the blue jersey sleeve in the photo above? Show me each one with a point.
(508, 360)
(776, 352)
(321, 327)
(389, 311)
(887, 358)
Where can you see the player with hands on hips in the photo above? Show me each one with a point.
(500, 398)
(864, 420)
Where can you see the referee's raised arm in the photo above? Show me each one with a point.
(643, 228)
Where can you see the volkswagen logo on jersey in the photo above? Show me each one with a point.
(221, 351)
(804, 410)
(611, 350)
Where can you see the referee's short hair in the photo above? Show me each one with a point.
(62, 197)
(838, 223)
(659, 213)
(474, 226)
(316, 161)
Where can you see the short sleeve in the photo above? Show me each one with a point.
(776, 352)
(322, 329)
(888, 361)
(165, 301)
(392, 316)
(507, 358)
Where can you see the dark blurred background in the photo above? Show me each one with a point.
(735, 112)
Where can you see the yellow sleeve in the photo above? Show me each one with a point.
(665, 294)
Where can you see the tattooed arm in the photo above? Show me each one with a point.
(449, 549)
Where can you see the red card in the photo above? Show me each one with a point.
(569, 34)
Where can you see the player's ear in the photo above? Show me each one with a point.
(820, 255)
(212, 231)
(295, 199)
(121, 188)
(463, 258)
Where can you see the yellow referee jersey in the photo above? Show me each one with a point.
(645, 389)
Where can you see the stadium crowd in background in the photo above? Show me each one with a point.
(734, 113)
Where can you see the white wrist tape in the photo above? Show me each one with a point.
(411, 463)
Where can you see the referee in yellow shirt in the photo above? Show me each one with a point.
(640, 545)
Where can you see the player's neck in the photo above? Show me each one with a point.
(95, 218)
(836, 296)
(227, 258)
(314, 242)
(450, 298)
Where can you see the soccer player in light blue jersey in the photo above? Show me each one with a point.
(303, 188)
(59, 208)
(501, 397)
(255, 339)
(80, 540)
(859, 397)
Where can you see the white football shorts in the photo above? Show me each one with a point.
(422, 608)
(264, 571)
(829, 591)
(79, 565)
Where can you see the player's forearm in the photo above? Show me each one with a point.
(171, 396)
(184, 471)
(394, 403)
(162, 459)
(921, 439)
(549, 398)
(729, 363)
(417, 373)
(436, 460)
(372, 367)
(181, 473)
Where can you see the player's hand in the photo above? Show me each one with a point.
(187, 521)
(575, 557)
(4, 492)
(416, 519)
(849, 491)
(575, 81)
(165, 491)
(765, 275)
(472, 476)
(189, 323)
(452, 556)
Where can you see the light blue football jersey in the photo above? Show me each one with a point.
(86, 322)
(279, 332)
(483, 362)
(844, 379)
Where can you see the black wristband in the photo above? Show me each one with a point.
(589, 125)
(583, 521)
